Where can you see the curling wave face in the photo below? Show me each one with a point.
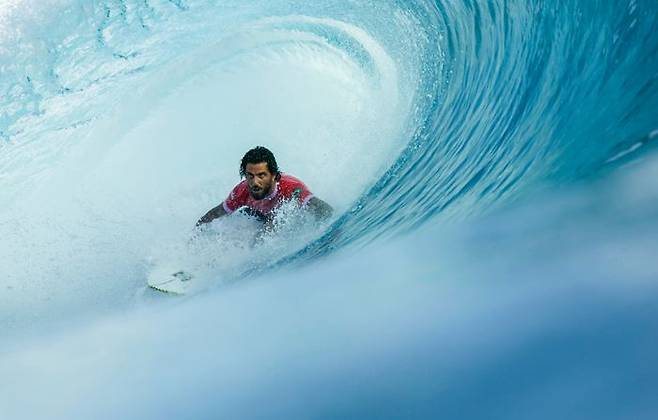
(525, 96)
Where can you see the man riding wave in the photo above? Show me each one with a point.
(261, 194)
(264, 189)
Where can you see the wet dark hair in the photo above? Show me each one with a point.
(259, 154)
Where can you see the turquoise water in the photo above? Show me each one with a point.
(493, 170)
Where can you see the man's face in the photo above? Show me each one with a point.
(260, 180)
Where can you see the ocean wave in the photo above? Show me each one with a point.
(503, 143)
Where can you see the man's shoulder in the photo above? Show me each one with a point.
(240, 189)
(290, 187)
(289, 182)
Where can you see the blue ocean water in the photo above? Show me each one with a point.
(493, 170)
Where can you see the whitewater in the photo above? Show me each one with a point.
(492, 167)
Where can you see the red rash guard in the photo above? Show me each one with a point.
(285, 189)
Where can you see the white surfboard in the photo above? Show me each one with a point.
(187, 267)
(166, 280)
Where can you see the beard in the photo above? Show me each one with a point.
(259, 193)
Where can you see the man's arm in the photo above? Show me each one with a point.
(319, 208)
(212, 214)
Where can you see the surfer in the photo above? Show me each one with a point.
(264, 189)
(260, 194)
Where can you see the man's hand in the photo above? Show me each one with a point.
(212, 215)
(320, 209)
